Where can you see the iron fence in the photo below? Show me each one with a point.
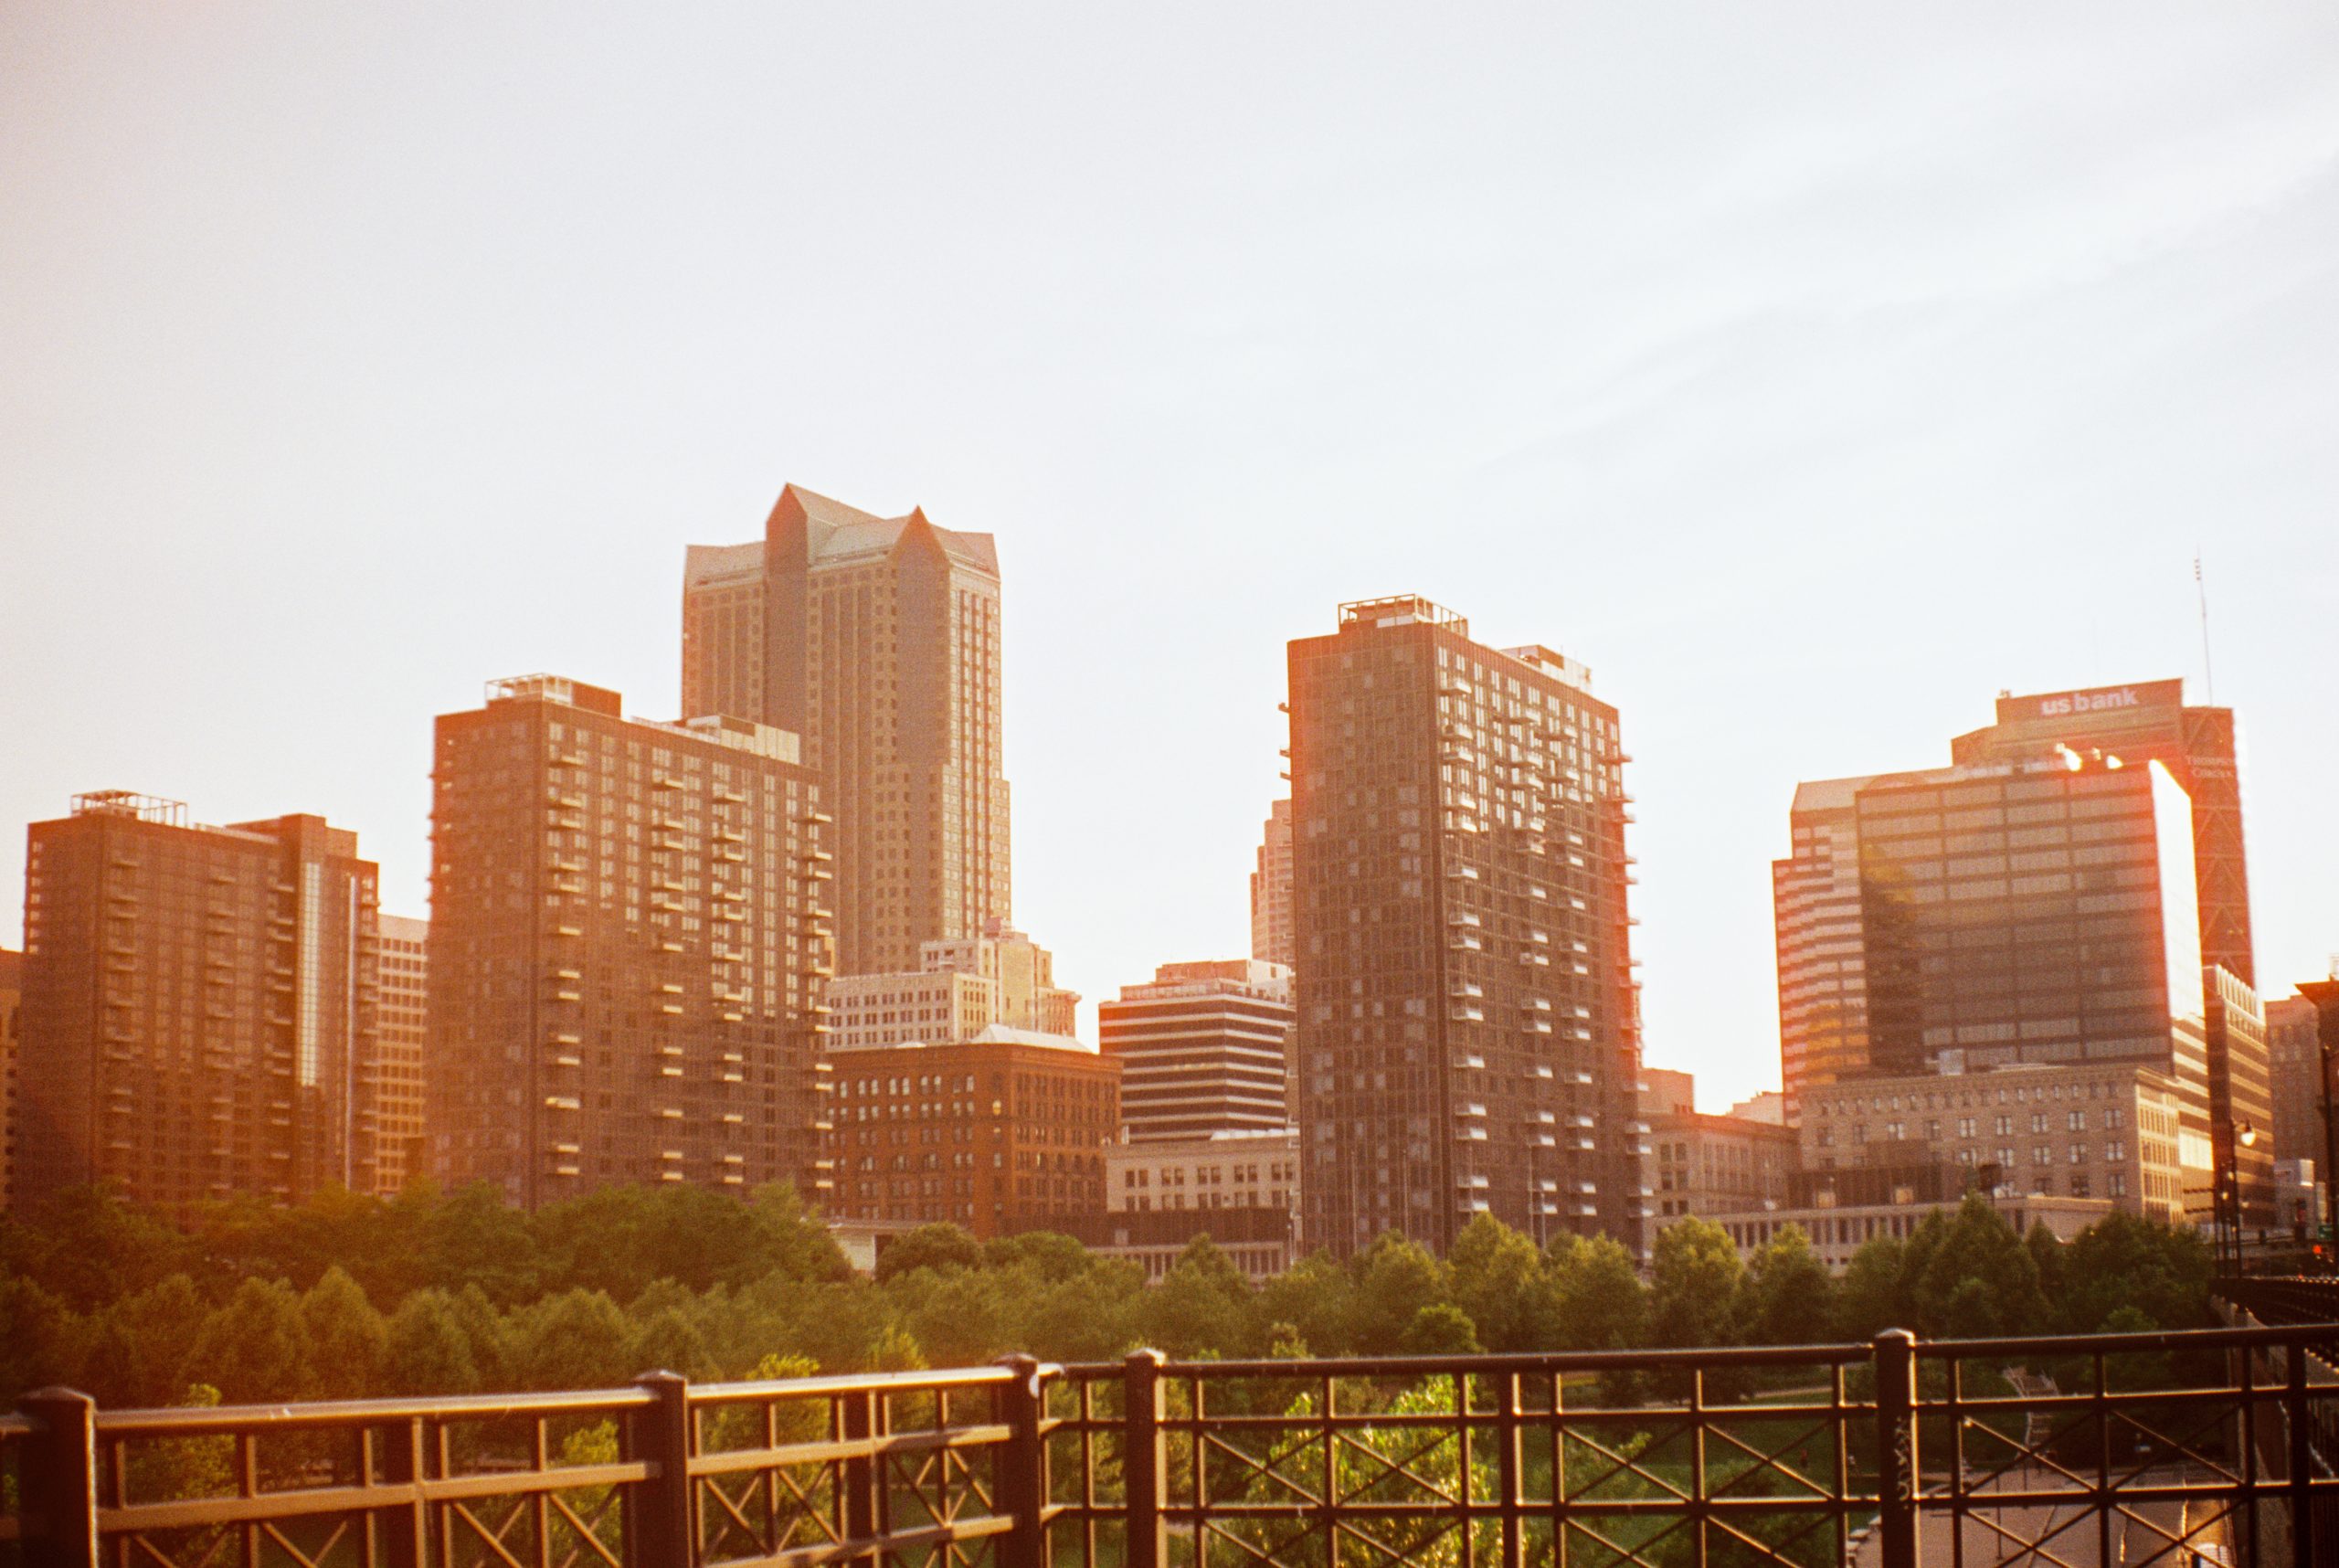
(2096, 1450)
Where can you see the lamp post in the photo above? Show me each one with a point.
(2228, 1194)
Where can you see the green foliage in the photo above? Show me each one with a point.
(256, 1348)
(939, 1247)
(1790, 1298)
(1694, 1281)
(456, 1293)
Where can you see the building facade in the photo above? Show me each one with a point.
(629, 939)
(2294, 1067)
(1203, 1049)
(2092, 1130)
(723, 629)
(402, 1038)
(2149, 721)
(12, 967)
(1713, 1164)
(880, 649)
(198, 1005)
(1468, 1020)
(965, 986)
(1270, 937)
(997, 1135)
(2241, 1098)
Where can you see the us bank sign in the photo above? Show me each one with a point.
(2093, 700)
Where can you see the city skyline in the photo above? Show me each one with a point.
(1857, 455)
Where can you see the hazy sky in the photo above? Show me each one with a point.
(1811, 373)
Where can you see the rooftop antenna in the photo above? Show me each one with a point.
(2201, 590)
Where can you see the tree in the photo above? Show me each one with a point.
(1043, 1254)
(1977, 1244)
(256, 1348)
(1395, 1278)
(426, 1349)
(138, 1350)
(1317, 1297)
(936, 1246)
(1694, 1279)
(668, 1340)
(2123, 1260)
(1496, 1278)
(1598, 1302)
(1203, 1306)
(348, 1341)
(1869, 1299)
(1440, 1328)
(472, 1239)
(1790, 1298)
(575, 1340)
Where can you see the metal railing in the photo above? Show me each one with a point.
(2101, 1449)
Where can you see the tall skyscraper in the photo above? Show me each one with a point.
(12, 969)
(2149, 722)
(1202, 1049)
(628, 943)
(880, 649)
(402, 1038)
(2013, 913)
(1822, 978)
(198, 1005)
(723, 629)
(1271, 890)
(1469, 1025)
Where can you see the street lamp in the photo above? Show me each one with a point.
(2229, 1194)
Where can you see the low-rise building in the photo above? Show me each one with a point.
(2094, 1131)
(1229, 1169)
(960, 990)
(1002, 1133)
(1700, 1164)
(1837, 1231)
(1203, 1047)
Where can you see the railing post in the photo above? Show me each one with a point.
(60, 1477)
(405, 1529)
(663, 1532)
(2300, 1412)
(863, 1499)
(1021, 1477)
(1144, 1459)
(1896, 1447)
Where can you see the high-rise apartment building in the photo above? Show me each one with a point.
(998, 1134)
(198, 1005)
(882, 649)
(1203, 1049)
(2149, 722)
(12, 967)
(402, 1036)
(723, 629)
(2294, 1063)
(1468, 1021)
(1271, 890)
(627, 944)
(1001, 979)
